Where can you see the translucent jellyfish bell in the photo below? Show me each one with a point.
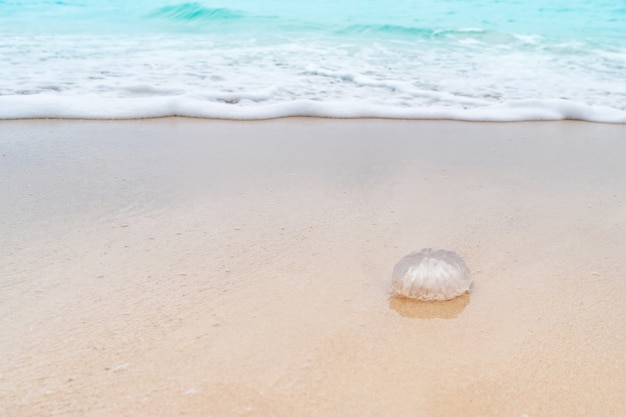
(431, 275)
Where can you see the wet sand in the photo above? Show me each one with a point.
(216, 268)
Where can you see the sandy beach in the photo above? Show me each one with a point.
(217, 268)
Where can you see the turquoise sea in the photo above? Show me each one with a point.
(244, 59)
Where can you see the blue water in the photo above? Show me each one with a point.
(470, 60)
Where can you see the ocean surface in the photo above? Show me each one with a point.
(488, 60)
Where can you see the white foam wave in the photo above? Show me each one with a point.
(122, 77)
(94, 107)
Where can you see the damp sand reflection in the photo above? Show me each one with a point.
(450, 309)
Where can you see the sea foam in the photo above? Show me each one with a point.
(93, 107)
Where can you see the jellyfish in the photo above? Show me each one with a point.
(430, 275)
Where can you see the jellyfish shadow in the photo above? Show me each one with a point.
(449, 309)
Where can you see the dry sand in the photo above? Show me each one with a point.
(213, 268)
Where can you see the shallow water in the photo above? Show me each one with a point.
(473, 60)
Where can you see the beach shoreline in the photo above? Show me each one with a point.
(213, 267)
